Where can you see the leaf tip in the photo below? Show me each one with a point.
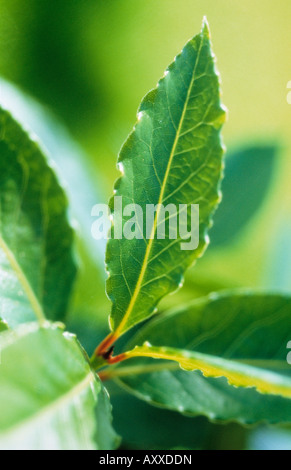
(205, 27)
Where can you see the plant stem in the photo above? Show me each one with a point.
(114, 373)
(98, 362)
(105, 345)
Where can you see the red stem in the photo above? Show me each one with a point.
(105, 345)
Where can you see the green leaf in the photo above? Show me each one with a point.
(242, 329)
(105, 436)
(3, 326)
(237, 374)
(49, 396)
(36, 263)
(173, 156)
(164, 429)
(73, 166)
(247, 179)
(72, 162)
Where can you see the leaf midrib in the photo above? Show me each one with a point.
(119, 329)
(54, 406)
(36, 307)
(125, 371)
(211, 370)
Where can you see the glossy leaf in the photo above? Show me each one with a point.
(173, 156)
(49, 396)
(36, 263)
(243, 329)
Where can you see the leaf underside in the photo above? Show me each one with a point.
(244, 334)
(173, 156)
(49, 396)
(237, 374)
(37, 269)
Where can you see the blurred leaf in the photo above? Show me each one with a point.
(105, 436)
(3, 326)
(73, 167)
(248, 177)
(174, 156)
(164, 429)
(50, 59)
(277, 272)
(36, 264)
(84, 189)
(49, 395)
(254, 329)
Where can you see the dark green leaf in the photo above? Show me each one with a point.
(36, 263)
(49, 396)
(248, 328)
(247, 179)
(166, 429)
(173, 156)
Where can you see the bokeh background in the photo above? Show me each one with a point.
(74, 72)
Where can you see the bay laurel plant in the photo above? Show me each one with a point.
(223, 356)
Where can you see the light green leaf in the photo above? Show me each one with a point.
(72, 162)
(49, 396)
(233, 330)
(36, 263)
(105, 436)
(173, 156)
